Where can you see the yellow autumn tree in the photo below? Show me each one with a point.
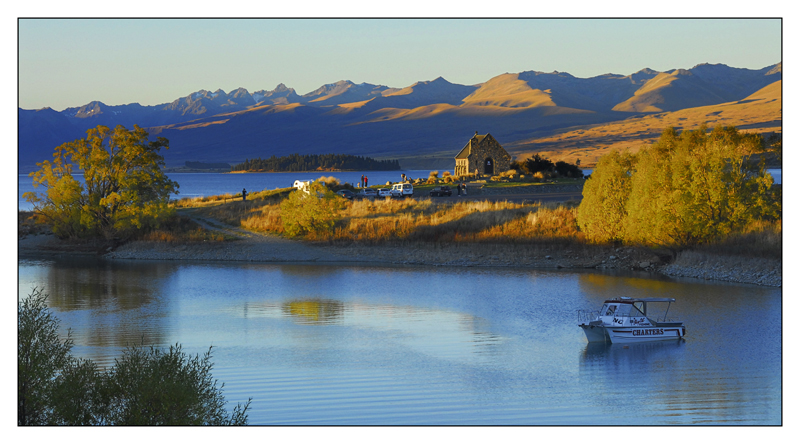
(123, 190)
(686, 189)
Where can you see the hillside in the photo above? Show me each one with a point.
(759, 112)
(426, 123)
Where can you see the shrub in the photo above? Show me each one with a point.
(167, 387)
(315, 211)
(42, 358)
(144, 387)
(329, 181)
(568, 170)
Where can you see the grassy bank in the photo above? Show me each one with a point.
(423, 221)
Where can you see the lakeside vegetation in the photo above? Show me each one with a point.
(695, 190)
(316, 162)
(721, 201)
(145, 386)
(125, 191)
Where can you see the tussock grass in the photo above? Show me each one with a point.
(181, 229)
(252, 197)
(426, 223)
(760, 239)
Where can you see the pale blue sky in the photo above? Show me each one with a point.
(64, 63)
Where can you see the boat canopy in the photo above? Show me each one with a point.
(632, 300)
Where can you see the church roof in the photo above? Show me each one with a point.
(467, 150)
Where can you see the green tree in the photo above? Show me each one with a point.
(146, 386)
(686, 189)
(602, 212)
(315, 211)
(124, 188)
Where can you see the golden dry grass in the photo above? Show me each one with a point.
(760, 112)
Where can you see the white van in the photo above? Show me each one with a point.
(402, 190)
(303, 185)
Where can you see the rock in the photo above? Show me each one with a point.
(644, 264)
(612, 257)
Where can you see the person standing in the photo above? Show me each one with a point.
(366, 181)
(459, 190)
(244, 195)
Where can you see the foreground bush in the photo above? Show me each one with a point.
(144, 387)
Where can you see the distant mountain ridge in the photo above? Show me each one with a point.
(428, 118)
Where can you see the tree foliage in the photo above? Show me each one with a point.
(686, 189)
(602, 210)
(538, 163)
(146, 386)
(42, 357)
(123, 189)
(149, 386)
(314, 211)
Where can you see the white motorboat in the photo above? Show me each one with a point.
(628, 320)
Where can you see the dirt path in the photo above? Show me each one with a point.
(248, 246)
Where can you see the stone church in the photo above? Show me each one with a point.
(484, 155)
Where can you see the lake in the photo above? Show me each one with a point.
(210, 184)
(365, 345)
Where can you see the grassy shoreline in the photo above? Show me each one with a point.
(424, 231)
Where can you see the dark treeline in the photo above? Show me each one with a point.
(316, 162)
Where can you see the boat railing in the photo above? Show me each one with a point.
(588, 315)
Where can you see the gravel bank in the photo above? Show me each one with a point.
(253, 247)
(759, 271)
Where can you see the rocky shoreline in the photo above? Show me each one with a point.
(254, 247)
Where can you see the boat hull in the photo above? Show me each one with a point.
(629, 335)
(595, 333)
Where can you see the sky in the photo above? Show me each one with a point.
(69, 62)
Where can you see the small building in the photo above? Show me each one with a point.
(484, 155)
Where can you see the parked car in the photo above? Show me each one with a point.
(441, 191)
(367, 193)
(347, 194)
(384, 192)
(402, 190)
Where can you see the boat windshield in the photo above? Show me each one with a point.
(623, 310)
(637, 309)
(608, 310)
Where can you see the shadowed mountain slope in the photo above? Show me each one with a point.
(424, 122)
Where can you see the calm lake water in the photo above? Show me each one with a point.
(421, 345)
(211, 184)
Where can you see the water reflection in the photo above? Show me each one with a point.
(314, 311)
(434, 332)
(415, 345)
(116, 304)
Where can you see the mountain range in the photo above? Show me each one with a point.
(423, 125)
